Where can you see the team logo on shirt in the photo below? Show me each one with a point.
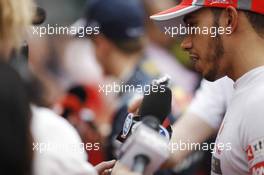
(255, 155)
(255, 149)
(249, 152)
(258, 169)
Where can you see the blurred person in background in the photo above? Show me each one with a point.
(15, 18)
(119, 49)
(15, 149)
(76, 100)
(16, 154)
(62, 149)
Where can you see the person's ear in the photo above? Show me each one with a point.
(231, 19)
(103, 44)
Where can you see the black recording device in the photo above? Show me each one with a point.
(157, 104)
(145, 145)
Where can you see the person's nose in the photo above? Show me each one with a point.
(186, 43)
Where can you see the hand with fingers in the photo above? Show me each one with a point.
(120, 169)
(105, 168)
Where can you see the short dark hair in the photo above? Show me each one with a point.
(216, 12)
(256, 20)
(130, 46)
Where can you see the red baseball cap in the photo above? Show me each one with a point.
(174, 16)
(188, 6)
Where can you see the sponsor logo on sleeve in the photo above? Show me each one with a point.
(249, 152)
(258, 169)
(255, 150)
(255, 156)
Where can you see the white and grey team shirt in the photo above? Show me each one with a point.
(239, 148)
(211, 100)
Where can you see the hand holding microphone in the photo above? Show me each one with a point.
(156, 104)
(145, 150)
(145, 147)
(120, 169)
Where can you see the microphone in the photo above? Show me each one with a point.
(141, 160)
(145, 150)
(145, 147)
(156, 104)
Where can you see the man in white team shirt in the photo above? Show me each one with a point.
(235, 50)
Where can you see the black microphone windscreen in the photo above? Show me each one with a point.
(157, 104)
